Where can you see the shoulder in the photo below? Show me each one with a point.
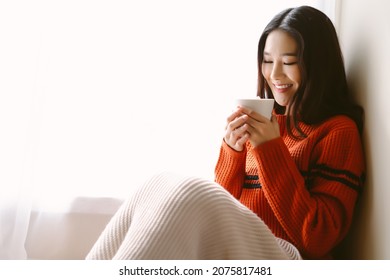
(339, 122)
(337, 133)
(337, 125)
(338, 129)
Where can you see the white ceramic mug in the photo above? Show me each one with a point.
(259, 105)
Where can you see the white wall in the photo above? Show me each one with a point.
(364, 31)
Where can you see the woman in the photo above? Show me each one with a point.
(302, 171)
(289, 184)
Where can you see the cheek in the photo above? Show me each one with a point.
(265, 71)
(296, 76)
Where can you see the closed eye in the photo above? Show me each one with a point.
(290, 63)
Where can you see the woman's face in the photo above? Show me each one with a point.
(280, 66)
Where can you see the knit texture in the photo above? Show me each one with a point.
(179, 217)
(304, 190)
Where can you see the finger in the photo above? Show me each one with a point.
(236, 123)
(232, 137)
(236, 134)
(237, 143)
(237, 113)
(254, 115)
(257, 123)
(251, 130)
(243, 139)
(240, 131)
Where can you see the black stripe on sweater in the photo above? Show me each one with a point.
(251, 177)
(346, 173)
(351, 180)
(254, 185)
(251, 186)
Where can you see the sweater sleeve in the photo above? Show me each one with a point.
(230, 169)
(315, 207)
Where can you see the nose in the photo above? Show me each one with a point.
(277, 71)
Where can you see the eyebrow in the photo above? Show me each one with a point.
(285, 54)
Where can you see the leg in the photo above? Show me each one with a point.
(174, 217)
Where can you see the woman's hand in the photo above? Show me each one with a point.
(236, 134)
(260, 128)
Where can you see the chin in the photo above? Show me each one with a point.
(281, 102)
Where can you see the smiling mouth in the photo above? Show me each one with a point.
(282, 86)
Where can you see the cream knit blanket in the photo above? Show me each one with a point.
(179, 217)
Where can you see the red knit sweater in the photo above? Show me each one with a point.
(304, 190)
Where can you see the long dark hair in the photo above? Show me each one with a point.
(323, 92)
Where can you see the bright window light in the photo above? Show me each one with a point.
(96, 96)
